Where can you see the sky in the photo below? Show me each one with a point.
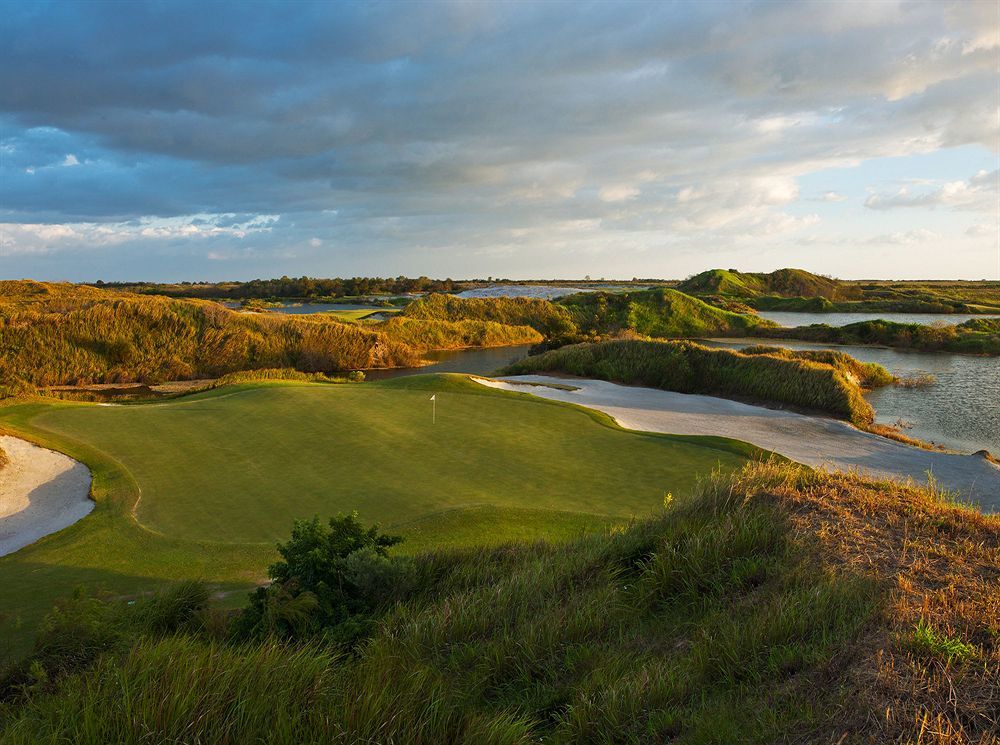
(172, 141)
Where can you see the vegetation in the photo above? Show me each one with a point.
(806, 382)
(53, 334)
(779, 604)
(368, 447)
(976, 336)
(303, 288)
(660, 312)
(783, 282)
(865, 374)
(801, 291)
(545, 317)
(423, 335)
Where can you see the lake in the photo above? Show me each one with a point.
(784, 318)
(546, 292)
(961, 410)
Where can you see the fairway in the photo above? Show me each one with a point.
(203, 485)
(239, 466)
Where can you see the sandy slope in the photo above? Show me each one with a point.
(815, 441)
(41, 492)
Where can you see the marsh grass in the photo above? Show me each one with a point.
(826, 383)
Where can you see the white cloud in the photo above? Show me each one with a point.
(618, 193)
(906, 238)
(973, 194)
(832, 196)
(70, 160)
(982, 229)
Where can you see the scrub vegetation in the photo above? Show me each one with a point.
(975, 336)
(545, 317)
(660, 312)
(830, 384)
(53, 334)
(802, 291)
(776, 604)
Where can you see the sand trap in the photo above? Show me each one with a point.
(814, 441)
(41, 492)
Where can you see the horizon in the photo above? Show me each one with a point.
(167, 143)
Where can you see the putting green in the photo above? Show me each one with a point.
(215, 478)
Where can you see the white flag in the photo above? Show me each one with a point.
(434, 397)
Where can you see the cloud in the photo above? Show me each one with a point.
(416, 134)
(972, 194)
(906, 238)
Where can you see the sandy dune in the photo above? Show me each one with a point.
(815, 441)
(41, 492)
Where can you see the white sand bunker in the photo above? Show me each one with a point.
(814, 441)
(41, 492)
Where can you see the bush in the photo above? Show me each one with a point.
(331, 578)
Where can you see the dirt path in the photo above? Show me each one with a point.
(814, 441)
(41, 492)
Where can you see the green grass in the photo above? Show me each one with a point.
(223, 473)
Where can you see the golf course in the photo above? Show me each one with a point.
(202, 486)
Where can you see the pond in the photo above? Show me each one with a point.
(961, 410)
(785, 318)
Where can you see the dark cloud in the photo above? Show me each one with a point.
(444, 126)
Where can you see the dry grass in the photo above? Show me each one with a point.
(930, 671)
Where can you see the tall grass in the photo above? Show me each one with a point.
(424, 334)
(660, 312)
(976, 336)
(61, 334)
(692, 368)
(542, 315)
(779, 604)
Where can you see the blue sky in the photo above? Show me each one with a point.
(172, 141)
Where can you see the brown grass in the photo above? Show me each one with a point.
(940, 565)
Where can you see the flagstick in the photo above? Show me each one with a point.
(434, 404)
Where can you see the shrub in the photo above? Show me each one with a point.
(330, 578)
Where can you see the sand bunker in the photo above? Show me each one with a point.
(814, 441)
(41, 492)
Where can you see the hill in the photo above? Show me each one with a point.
(779, 604)
(55, 334)
(545, 317)
(660, 312)
(783, 283)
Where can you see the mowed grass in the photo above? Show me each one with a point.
(215, 478)
(239, 466)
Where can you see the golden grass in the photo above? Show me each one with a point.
(929, 672)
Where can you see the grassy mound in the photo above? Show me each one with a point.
(865, 374)
(52, 334)
(778, 605)
(660, 312)
(692, 368)
(542, 315)
(976, 336)
(429, 334)
(793, 283)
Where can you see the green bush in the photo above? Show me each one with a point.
(330, 579)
